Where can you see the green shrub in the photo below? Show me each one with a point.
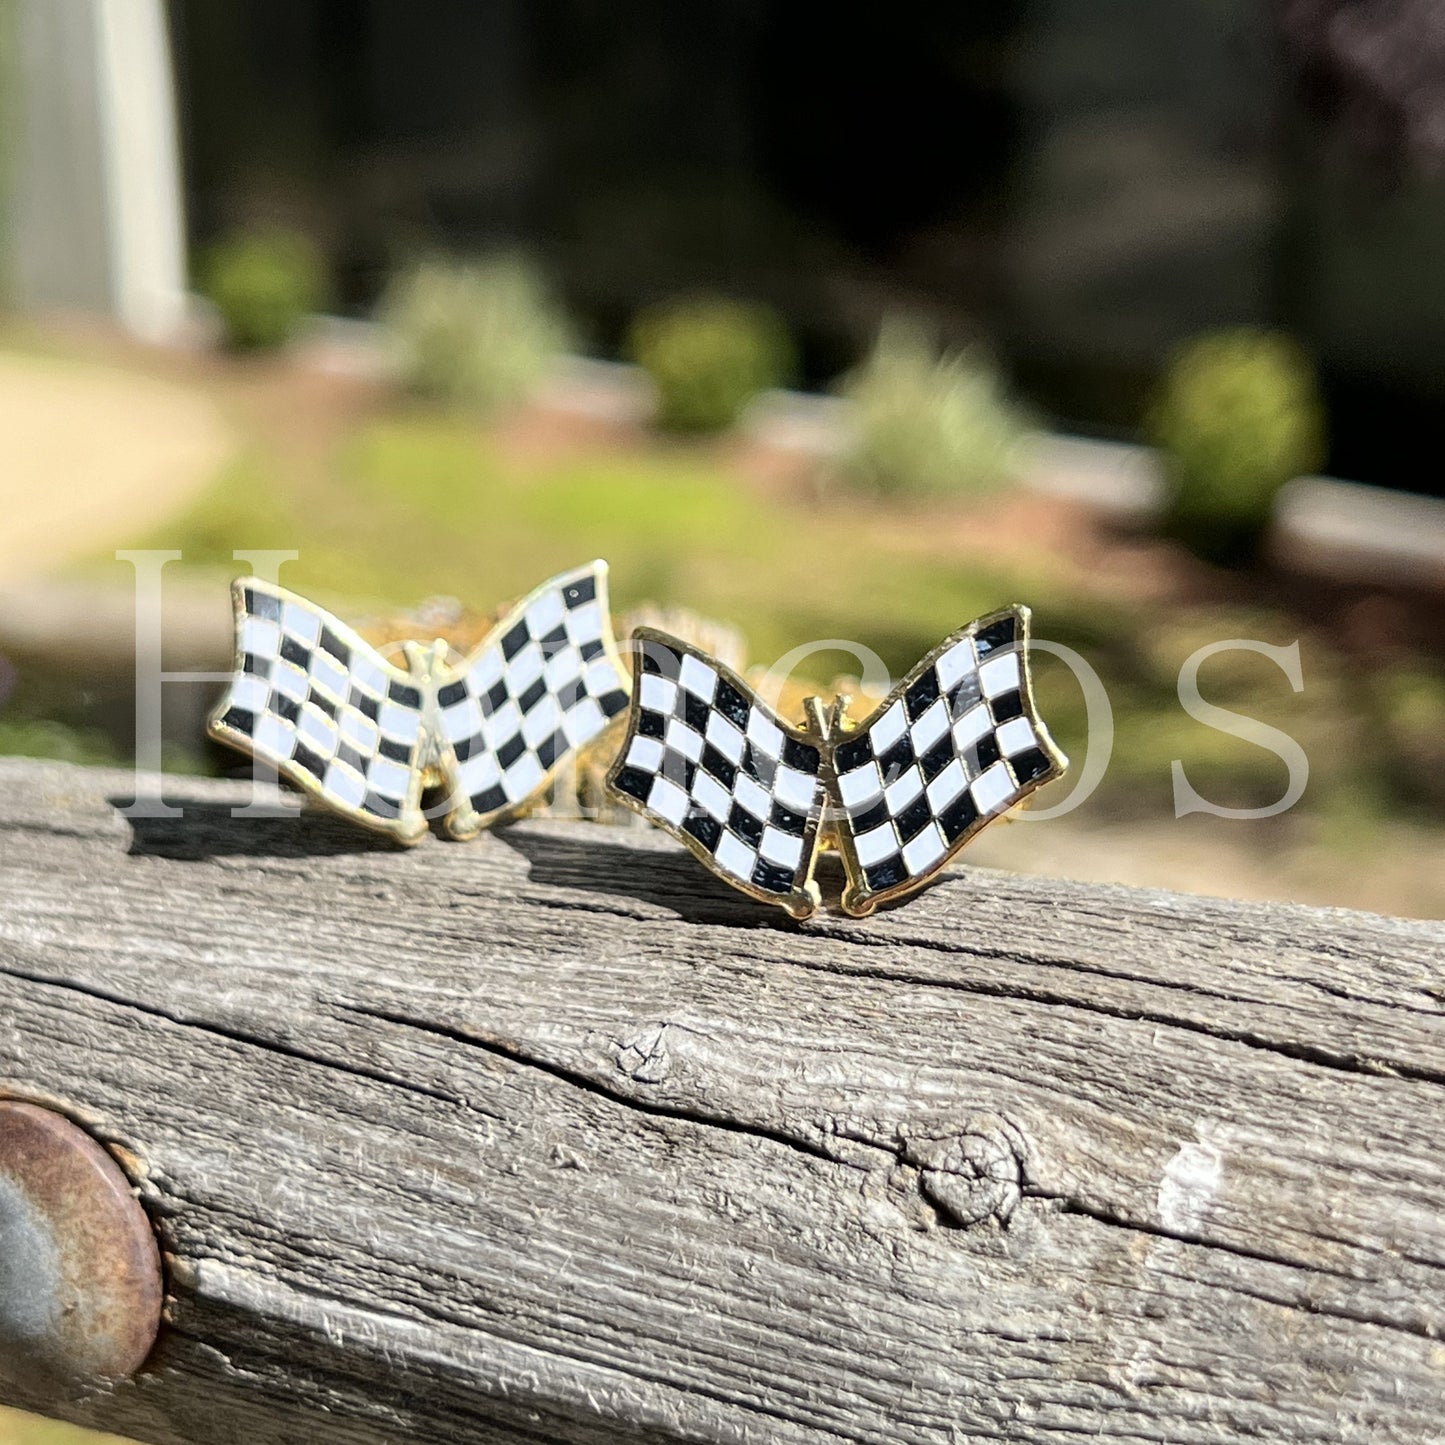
(708, 358)
(928, 423)
(1410, 704)
(264, 284)
(1238, 415)
(474, 335)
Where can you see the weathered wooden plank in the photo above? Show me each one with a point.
(550, 1137)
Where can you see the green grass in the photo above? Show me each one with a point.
(424, 505)
(410, 503)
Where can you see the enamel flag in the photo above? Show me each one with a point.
(954, 745)
(324, 708)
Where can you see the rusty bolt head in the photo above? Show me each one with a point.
(80, 1274)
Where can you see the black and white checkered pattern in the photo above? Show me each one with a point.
(323, 708)
(548, 684)
(330, 714)
(954, 748)
(714, 765)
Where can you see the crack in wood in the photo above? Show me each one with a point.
(1113, 1219)
(1024, 993)
(514, 1054)
(234, 1035)
(967, 1176)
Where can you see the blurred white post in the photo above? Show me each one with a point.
(96, 219)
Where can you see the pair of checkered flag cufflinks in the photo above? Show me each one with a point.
(753, 796)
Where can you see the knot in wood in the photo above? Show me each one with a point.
(644, 1057)
(975, 1174)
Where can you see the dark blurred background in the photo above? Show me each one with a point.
(1087, 182)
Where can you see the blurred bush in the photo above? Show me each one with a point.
(264, 284)
(473, 335)
(1238, 415)
(1410, 702)
(709, 357)
(926, 422)
(49, 738)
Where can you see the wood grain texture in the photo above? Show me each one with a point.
(551, 1137)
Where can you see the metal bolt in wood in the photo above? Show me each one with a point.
(80, 1274)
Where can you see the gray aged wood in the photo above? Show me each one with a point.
(552, 1138)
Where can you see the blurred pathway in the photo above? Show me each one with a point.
(93, 458)
(1224, 858)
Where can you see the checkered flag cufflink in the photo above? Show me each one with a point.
(714, 765)
(324, 708)
(957, 743)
